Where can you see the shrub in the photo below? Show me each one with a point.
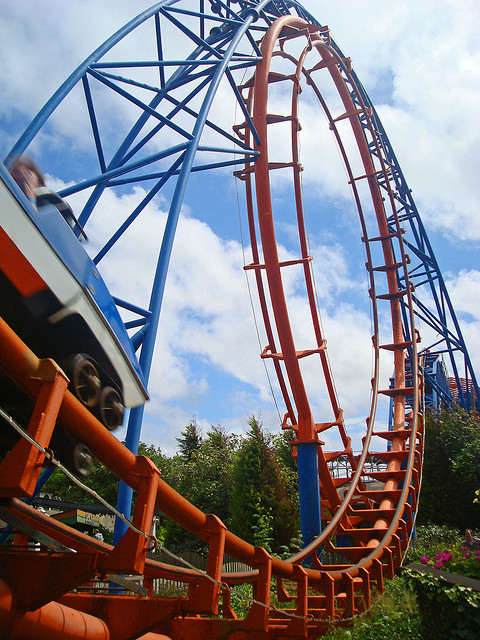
(457, 560)
(447, 612)
(394, 615)
(428, 538)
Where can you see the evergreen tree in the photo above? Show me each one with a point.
(202, 475)
(282, 444)
(191, 441)
(261, 508)
(214, 473)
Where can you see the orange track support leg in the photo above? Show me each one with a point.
(20, 469)
(204, 596)
(257, 617)
(131, 550)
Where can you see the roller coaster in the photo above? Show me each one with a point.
(56, 309)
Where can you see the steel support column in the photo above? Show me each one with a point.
(309, 491)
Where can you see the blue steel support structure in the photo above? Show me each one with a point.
(309, 491)
(136, 417)
(212, 58)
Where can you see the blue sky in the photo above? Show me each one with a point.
(420, 64)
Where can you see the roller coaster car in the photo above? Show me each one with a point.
(53, 297)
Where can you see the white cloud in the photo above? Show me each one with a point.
(464, 290)
(431, 51)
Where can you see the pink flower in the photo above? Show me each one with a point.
(439, 564)
(425, 560)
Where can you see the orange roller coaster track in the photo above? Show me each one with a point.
(386, 266)
(374, 525)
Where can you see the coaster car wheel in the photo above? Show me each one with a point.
(82, 460)
(86, 381)
(111, 408)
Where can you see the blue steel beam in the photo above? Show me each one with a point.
(214, 53)
(136, 415)
(40, 119)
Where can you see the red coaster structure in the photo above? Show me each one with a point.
(54, 592)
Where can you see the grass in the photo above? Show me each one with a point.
(394, 615)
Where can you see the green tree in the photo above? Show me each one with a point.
(214, 472)
(282, 445)
(451, 469)
(101, 480)
(181, 475)
(261, 507)
(202, 475)
(191, 440)
(154, 453)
